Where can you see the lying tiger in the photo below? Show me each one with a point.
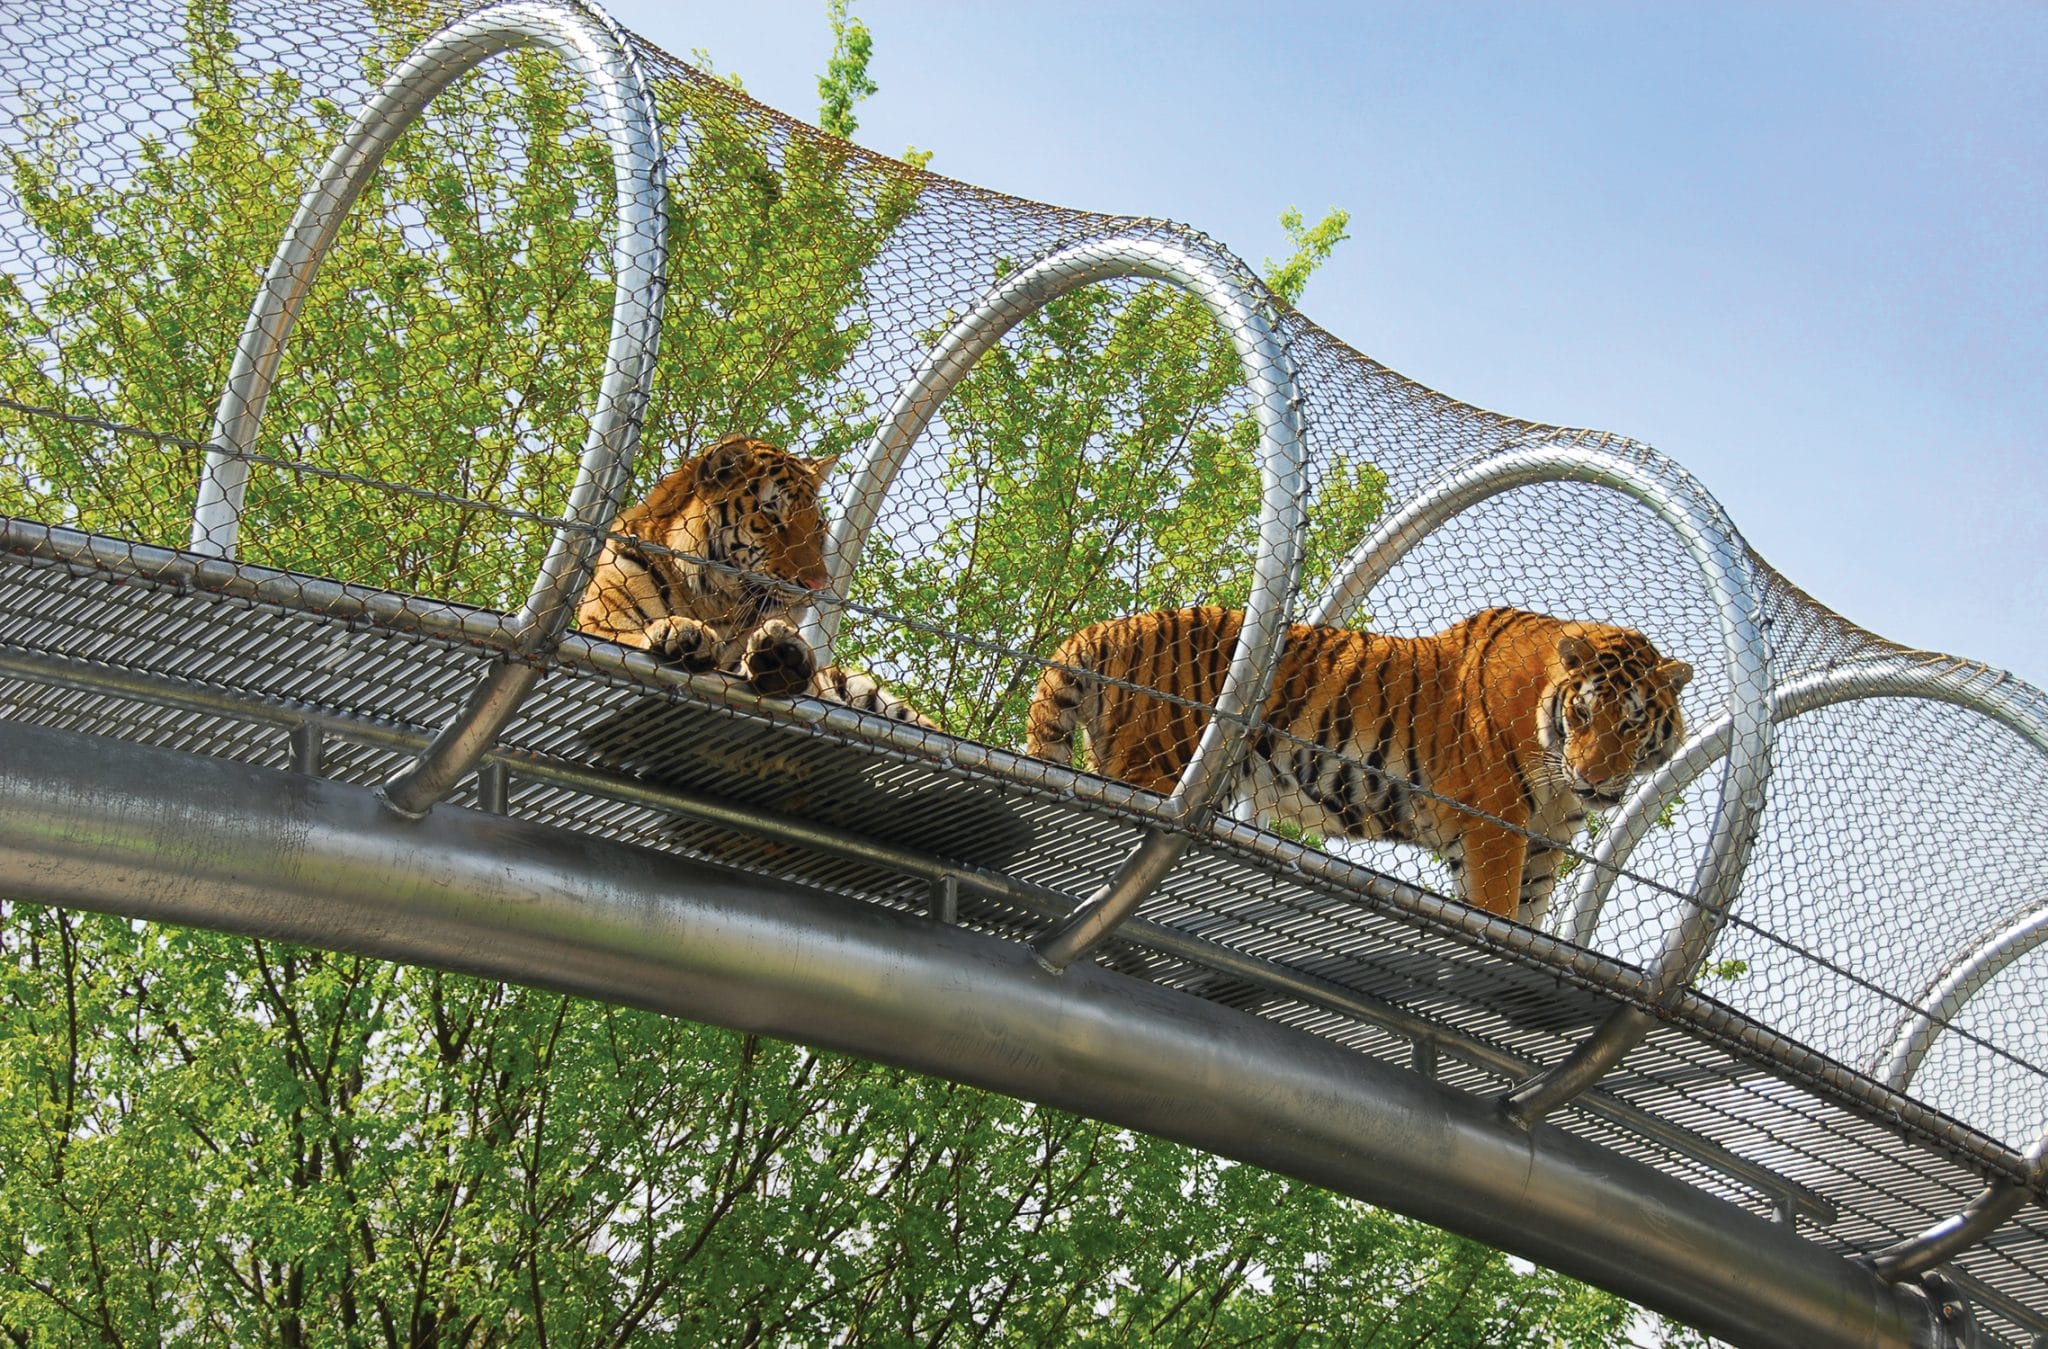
(738, 545)
(1531, 720)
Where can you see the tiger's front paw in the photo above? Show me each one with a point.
(687, 642)
(779, 661)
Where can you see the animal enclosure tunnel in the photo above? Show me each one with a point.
(335, 339)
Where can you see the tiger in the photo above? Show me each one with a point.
(1487, 742)
(737, 547)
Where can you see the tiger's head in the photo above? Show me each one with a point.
(1610, 712)
(743, 526)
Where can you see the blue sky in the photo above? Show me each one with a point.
(1800, 248)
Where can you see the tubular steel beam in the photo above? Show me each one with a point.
(169, 837)
(1724, 562)
(948, 881)
(1241, 310)
(597, 51)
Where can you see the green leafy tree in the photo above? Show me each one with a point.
(845, 81)
(205, 1140)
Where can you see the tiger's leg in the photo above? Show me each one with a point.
(1055, 713)
(1488, 860)
(778, 660)
(686, 641)
(1539, 875)
(865, 693)
(623, 599)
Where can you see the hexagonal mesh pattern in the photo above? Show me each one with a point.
(992, 458)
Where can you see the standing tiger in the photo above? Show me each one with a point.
(1530, 720)
(711, 570)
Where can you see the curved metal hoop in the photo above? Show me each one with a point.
(598, 51)
(1239, 306)
(1960, 685)
(1958, 980)
(1935, 1007)
(1724, 560)
(1897, 677)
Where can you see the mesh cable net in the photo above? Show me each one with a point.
(1048, 423)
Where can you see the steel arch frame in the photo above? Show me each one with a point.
(1726, 564)
(596, 50)
(1236, 301)
(1961, 976)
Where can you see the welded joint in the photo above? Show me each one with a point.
(382, 793)
(493, 787)
(309, 745)
(946, 898)
(1952, 1308)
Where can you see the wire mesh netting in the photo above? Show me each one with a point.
(1041, 484)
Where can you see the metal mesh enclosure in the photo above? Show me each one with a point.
(1778, 863)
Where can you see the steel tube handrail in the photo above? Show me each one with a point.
(171, 837)
(598, 51)
(1242, 310)
(1725, 562)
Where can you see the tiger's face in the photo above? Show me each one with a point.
(1611, 714)
(744, 524)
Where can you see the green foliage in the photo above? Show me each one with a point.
(1288, 829)
(205, 1140)
(845, 81)
(1724, 971)
(1313, 245)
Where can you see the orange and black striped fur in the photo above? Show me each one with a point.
(1503, 726)
(712, 569)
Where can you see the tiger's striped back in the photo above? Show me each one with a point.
(1505, 725)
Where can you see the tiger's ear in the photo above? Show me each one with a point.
(1574, 651)
(723, 467)
(1675, 673)
(822, 466)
